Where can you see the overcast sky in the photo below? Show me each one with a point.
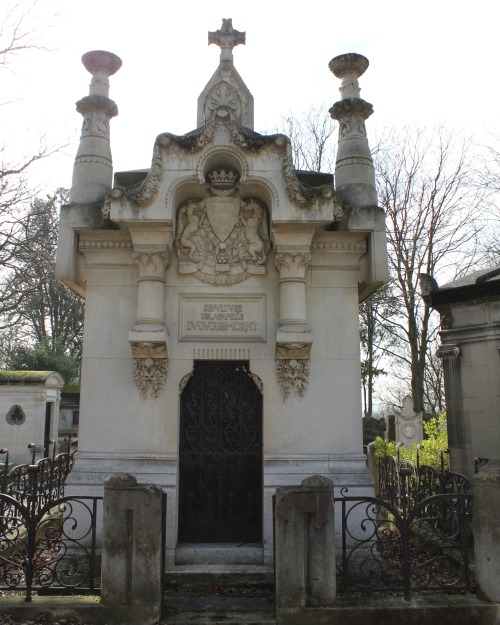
(430, 62)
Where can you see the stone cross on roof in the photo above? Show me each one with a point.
(226, 38)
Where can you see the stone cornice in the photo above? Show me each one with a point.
(90, 244)
(339, 246)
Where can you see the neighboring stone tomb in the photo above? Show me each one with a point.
(29, 413)
(470, 344)
(227, 289)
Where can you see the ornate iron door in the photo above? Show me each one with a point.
(220, 455)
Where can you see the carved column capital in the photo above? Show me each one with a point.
(448, 351)
(292, 264)
(152, 264)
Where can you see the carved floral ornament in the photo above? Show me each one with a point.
(152, 264)
(292, 361)
(150, 367)
(293, 377)
(222, 238)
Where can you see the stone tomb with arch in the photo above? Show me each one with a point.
(221, 350)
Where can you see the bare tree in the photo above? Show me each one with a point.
(313, 143)
(490, 181)
(427, 186)
(19, 33)
(375, 316)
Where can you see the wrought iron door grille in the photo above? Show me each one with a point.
(220, 455)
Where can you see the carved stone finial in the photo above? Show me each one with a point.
(226, 38)
(354, 172)
(101, 65)
(349, 67)
(93, 168)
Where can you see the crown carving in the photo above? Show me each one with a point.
(223, 177)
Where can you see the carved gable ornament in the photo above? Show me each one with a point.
(222, 238)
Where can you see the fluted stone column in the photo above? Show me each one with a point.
(93, 168)
(354, 172)
(450, 356)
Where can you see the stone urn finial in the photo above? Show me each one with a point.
(349, 67)
(101, 65)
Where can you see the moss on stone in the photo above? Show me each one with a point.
(24, 377)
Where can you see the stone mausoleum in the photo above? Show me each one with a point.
(221, 350)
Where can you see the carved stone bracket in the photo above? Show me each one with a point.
(292, 368)
(293, 376)
(293, 350)
(150, 367)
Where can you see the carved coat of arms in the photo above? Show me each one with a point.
(223, 214)
(223, 238)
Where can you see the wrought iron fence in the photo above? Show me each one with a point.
(48, 544)
(405, 544)
(50, 478)
(422, 482)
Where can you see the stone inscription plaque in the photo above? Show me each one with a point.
(222, 318)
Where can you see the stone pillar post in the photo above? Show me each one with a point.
(304, 547)
(93, 168)
(133, 545)
(486, 513)
(354, 172)
(294, 337)
(148, 337)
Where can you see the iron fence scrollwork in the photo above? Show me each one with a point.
(47, 542)
(406, 543)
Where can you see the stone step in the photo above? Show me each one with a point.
(199, 577)
(225, 594)
(219, 553)
(214, 610)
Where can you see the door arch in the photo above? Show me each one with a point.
(220, 455)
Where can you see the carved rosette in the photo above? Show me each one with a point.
(150, 367)
(292, 368)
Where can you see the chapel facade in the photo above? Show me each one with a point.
(221, 349)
